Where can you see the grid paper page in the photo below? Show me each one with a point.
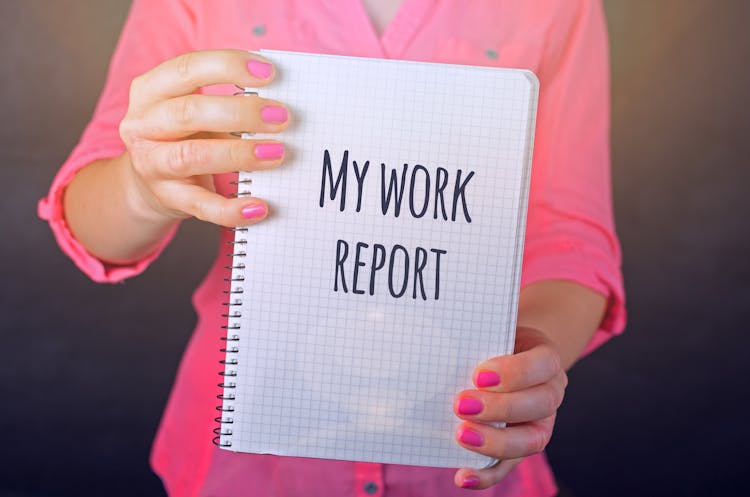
(368, 376)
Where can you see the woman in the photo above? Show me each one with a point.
(155, 153)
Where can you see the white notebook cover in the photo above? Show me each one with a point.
(338, 375)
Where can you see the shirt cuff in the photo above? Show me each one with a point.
(580, 263)
(50, 209)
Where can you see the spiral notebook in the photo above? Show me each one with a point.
(389, 266)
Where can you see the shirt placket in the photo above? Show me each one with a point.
(361, 38)
(368, 479)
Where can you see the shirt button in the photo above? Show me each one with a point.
(371, 487)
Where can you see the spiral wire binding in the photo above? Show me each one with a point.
(233, 314)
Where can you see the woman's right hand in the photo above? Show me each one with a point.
(177, 139)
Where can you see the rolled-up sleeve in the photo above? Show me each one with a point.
(570, 232)
(146, 40)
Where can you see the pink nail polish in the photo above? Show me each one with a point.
(259, 69)
(268, 151)
(488, 379)
(274, 114)
(469, 405)
(471, 437)
(254, 211)
(470, 482)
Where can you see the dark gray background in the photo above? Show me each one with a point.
(85, 369)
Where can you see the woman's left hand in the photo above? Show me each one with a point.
(524, 390)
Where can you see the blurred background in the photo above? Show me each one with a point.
(85, 369)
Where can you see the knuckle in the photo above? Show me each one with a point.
(200, 209)
(127, 129)
(183, 110)
(240, 112)
(551, 401)
(184, 66)
(552, 359)
(559, 397)
(226, 215)
(557, 365)
(564, 377)
(187, 151)
(141, 160)
(182, 157)
(175, 159)
(539, 441)
(236, 153)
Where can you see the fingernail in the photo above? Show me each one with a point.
(488, 379)
(470, 482)
(471, 437)
(254, 211)
(469, 405)
(267, 151)
(274, 114)
(259, 69)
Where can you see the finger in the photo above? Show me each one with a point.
(186, 158)
(530, 404)
(186, 73)
(518, 371)
(214, 208)
(505, 443)
(478, 479)
(184, 116)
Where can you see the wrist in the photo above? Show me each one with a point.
(565, 313)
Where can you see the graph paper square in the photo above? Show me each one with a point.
(372, 377)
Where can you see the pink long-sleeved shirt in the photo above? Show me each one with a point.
(570, 233)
